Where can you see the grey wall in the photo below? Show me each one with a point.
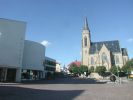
(12, 35)
(33, 57)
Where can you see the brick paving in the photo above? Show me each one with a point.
(67, 89)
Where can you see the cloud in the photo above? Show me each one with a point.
(45, 43)
(130, 40)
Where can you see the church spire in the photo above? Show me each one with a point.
(85, 24)
(86, 43)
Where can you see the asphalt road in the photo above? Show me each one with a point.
(67, 89)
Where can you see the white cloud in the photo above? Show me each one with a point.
(130, 40)
(45, 43)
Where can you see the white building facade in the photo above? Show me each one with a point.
(17, 54)
(33, 57)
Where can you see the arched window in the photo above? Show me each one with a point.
(85, 41)
(117, 59)
(92, 61)
(104, 58)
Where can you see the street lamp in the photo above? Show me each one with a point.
(118, 75)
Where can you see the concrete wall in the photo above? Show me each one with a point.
(33, 57)
(12, 35)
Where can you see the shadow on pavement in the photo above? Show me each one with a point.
(67, 80)
(20, 93)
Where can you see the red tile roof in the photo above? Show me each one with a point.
(78, 63)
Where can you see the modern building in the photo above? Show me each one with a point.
(12, 36)
(33, 57)
(50, 66)
(104, 53)
(17, 55)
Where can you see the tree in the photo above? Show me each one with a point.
(83, 69)
(128, 66)
(115, 70)
(74, 69)
(92, 69)
(101, 70)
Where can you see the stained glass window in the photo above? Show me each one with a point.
(92, 61)
(104, 57)
(117, 59)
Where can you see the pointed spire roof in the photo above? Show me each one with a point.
(86, 24)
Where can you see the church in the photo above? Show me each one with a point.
(104, 53)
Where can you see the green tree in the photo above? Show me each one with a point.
(101, 70)
(115, 70)
(83, 69)
(74, 69)
(128, 66)
(92, 69)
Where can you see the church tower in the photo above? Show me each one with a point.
(86, 43)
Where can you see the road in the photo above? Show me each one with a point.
(67, 89)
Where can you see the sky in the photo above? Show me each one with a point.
(58, 24)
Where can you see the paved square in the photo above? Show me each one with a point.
(67, 89)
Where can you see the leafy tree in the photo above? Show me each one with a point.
(115, 70)
(83, 69)
(101, 70)
(92, 69)
(128, 66)
(74, 69)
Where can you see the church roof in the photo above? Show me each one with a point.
(85, 27)
(113, 46)
(124, 51)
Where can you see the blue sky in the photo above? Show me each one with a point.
(58, 23)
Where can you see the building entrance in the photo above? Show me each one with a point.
(11, 75)
(1, 75)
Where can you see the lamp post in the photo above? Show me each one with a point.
(118, 75)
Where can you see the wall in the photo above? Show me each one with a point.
(12, 35)
(120, 63)
(33, 56)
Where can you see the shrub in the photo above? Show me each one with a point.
(92, 69)
(101, 70)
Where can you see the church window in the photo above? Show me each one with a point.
(104, 58)
(92, 61)
(117, 59)
(85, 41)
